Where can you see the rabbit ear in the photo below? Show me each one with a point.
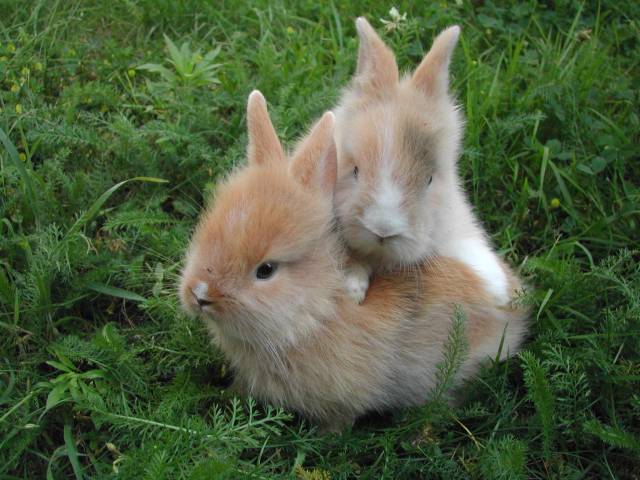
(377, 68)
(432, 75)
(314, 163)
(264, 146)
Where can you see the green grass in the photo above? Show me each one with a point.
(101, 375)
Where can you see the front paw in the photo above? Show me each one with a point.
(335, 426)
(357, 282)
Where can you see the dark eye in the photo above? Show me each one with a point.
(355, 172)
(430, 180)
(266, 270)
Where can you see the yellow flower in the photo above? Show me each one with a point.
(290, 30)
(22, 157)
(555, 203)
(38, 67)
(18, 108)
(25, 71)
(15, 88)
(11, 47)
(131, 72)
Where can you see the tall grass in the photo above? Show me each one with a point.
(101, 374)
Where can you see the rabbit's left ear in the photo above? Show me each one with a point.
(432, 75)
(264, 146)
(314, 162)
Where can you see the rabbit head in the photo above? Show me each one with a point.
(397, 141)
(264, 262)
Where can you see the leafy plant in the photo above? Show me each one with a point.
(539, 391)
(71, 384)
(190, 68)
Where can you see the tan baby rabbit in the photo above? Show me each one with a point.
(264, 270)
(399, 197)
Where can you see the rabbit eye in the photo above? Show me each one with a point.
(266, 270)
(355, 171)
(430, 180)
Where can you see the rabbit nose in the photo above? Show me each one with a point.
(199, 292)
(202, 302)
(384, 223)
(383, 233)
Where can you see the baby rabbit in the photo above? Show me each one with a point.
(264, 270)
(399, 197)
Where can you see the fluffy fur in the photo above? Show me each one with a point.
(296, 339)
(399, 197)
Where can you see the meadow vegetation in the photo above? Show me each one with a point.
(118, 118)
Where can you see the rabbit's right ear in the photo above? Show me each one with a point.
(264, 146)
(314, 163)
(377, 69)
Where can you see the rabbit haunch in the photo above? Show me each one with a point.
(399, 196)
(295, 339)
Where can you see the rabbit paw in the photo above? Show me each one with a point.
(335, 426)
(357, 282)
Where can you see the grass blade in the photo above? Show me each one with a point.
(12, 151)
(115, 292)
(93, 209)
(72, 452)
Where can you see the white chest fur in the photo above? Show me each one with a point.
(478, 255)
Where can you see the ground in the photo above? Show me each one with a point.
(101, 374)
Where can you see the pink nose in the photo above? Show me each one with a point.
(201, 301)
(383, 232)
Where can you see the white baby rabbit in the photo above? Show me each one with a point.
(399, 197)
(264, 270)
